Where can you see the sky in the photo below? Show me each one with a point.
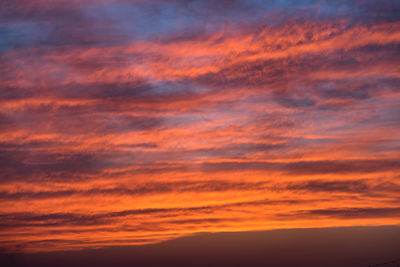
(131, 122)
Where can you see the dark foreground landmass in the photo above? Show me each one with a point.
(339, 247)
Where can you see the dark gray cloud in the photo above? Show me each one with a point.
(361, 186)
(368, 187)
(147, 188)
(13, 220)
(31, 166)
(350, 213)
(308, 167)
(39, 165)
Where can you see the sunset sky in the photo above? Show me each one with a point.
(127, 122)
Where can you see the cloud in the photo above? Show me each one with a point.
(15, 220)
(308, 167)
(361, 186)
(143, 189)
(352, 213)
(368, 187)
(156, 119)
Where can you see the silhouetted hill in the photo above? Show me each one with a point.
(328, 247)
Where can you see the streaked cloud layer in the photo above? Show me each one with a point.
(132, 122)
